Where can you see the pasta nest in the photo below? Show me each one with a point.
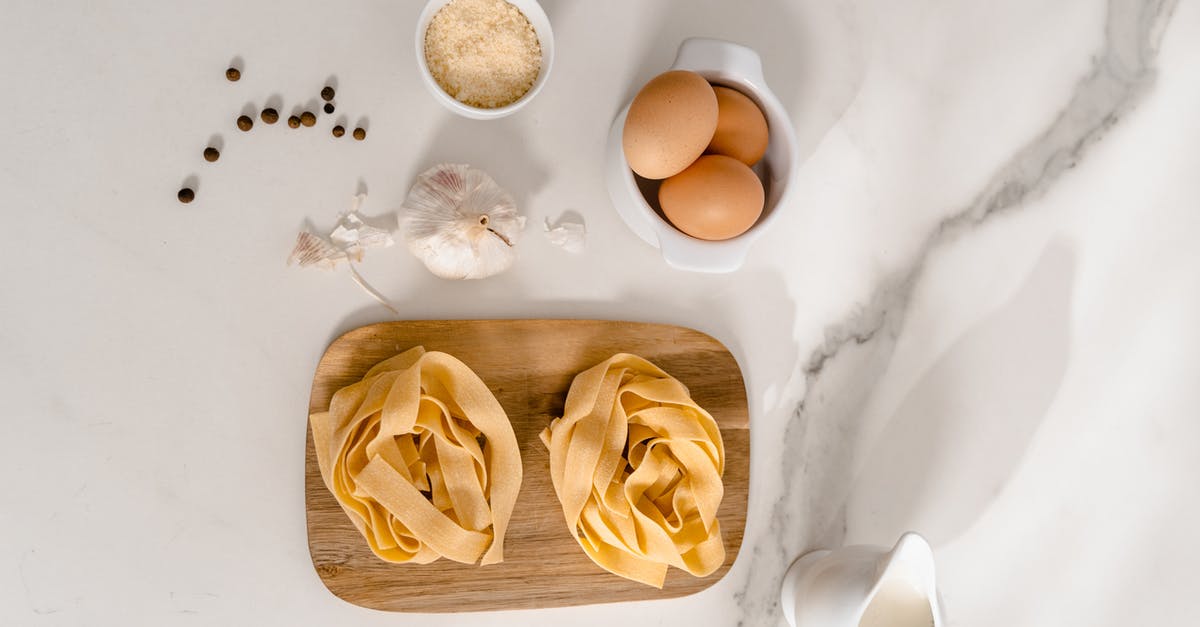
(637, 467)
(423, 460)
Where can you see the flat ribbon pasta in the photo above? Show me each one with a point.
(637, 467)
(399, 451)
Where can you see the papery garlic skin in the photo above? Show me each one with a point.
(460, 223)
(568, 235)
(347, 242)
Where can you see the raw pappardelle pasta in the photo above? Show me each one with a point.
(637, 467)
(400, 451)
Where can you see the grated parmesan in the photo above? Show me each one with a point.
(484, 53)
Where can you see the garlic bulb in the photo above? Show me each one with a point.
(462, 224)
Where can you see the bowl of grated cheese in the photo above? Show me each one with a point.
(484, 59)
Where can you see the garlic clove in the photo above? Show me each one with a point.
(568, 235)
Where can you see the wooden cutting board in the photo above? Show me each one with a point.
(528, 365)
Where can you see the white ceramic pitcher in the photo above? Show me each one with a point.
(864, 586)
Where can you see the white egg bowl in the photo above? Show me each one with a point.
(635, 198)
(541, 26)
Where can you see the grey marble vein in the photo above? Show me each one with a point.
(809, 512)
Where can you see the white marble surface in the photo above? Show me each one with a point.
(977, 320)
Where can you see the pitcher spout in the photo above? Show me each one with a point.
(911, 562)
(864, 586)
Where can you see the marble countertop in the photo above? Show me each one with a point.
(977, 319)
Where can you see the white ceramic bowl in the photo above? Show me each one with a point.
(541, 26)
(731, 65)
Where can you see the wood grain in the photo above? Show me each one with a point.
(528, 365)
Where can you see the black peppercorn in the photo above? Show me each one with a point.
(245, 123)
(328, 107)
(211, 154)
(186, 195)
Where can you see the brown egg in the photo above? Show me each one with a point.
(669, 124)
(741, 127)
(715, 198)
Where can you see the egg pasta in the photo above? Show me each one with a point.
(400, 450)
(637, 467)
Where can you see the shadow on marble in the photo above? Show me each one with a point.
(497, 147)
(552, 8)
(568, 216)
(192, 182)
(453, 296)
(951, 445)
(274, 101)
(759, 317)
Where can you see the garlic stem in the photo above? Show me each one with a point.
(497, 233)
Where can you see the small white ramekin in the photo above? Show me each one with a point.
(541, 26)
(731, 65)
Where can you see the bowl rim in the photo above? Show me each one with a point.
(535, 13)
